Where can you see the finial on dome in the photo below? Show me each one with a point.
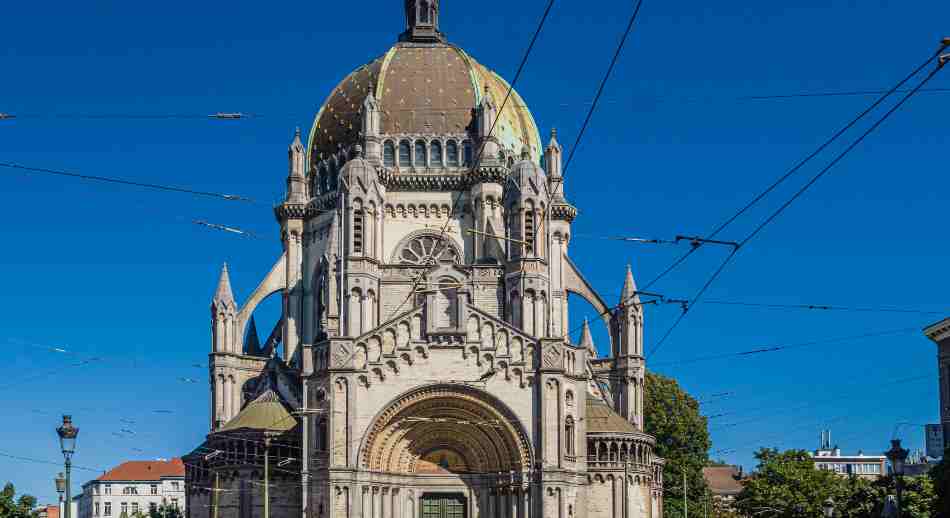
(358, 151)
(422, 22)
(525, 153)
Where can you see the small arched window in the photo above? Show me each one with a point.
(424, 12)
(322, 435)
(435, 153)
(358, 232)
(389, 154)
(405, 154)
(529, 232)
(467, 154)
(569, 436)
(324, 179)
(420, 159)
(452, 153)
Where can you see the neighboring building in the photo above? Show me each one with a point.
(135, 486)
(423, 365)
(934, 441)
(940, 334)
(829, 458)
(48, 511)
(917, 464)
(725, 484)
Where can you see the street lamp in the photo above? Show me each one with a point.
(897, 456)
(829, 507)
(67, 443)
(60, 486)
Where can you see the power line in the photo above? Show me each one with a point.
(600, 90)
(106, 179)
(802, 191)
(777, 348)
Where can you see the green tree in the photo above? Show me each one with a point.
(12, 507)
(787, 485)
(866, 499)
(682, 438)
(165, 511)
(940, 476)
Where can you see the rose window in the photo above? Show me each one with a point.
(428, 250)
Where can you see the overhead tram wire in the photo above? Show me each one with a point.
(481, 149)
(776, 184)
(803, 189)
(120, 181)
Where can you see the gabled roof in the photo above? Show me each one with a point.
(145, 470)
(266, 413)
(602, 419)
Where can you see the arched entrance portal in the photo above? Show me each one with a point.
(463, 453)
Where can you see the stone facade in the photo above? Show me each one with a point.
(940, 334)
(422, 365)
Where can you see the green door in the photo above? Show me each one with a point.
(443, 506)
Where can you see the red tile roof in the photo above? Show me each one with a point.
(723, 480)
(145, 470)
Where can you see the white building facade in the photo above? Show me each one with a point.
(134, 487)
(423, 364)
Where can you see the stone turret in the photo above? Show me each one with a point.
(223, 315)
(629, 366)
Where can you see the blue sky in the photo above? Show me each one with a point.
(121, 273)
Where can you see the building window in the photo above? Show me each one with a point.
(452, 153)
(124, 508)
(529, 232)
(135, 507)
(420, 158)
(358, 232)
(95, 509)
(175, 486)
(435, 153)
(405, 154)
(152, 508)
(389, 154)
(108, 490)
(569, 435)
(107, 509)
(153, 489)
(467, 154)
(175, 503)
(322, 435)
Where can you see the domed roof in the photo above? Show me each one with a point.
(422, 89)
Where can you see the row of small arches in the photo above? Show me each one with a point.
(427, 154)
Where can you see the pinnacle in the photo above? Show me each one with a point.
(587, 340)
(629, 288)
(224, 293)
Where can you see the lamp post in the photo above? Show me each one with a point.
(60, 487)
(829, 508)
(897, 456)
(67, 443)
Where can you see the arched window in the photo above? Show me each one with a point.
(569, 436)
(424, 12)
(435, 153)
(322, 435)
(452, 153)
(324, 179)
(420, 158)
(529, 232)
(389, 154)
(358, 232)
(467, 154)
(405, 154)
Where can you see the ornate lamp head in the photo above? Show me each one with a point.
(67, 435)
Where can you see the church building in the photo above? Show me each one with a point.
(422, 365)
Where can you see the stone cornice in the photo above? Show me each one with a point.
(563, 211)
(293, 211)
(939, 331)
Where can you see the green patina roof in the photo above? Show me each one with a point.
(601, 418)
(265, 413)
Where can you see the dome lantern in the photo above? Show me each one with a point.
(422, 22)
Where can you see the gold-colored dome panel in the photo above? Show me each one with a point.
(430, 89)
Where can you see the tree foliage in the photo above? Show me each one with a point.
(787, 485)
(13, 507)
(165, 511)
(682, 438)
(940, 475)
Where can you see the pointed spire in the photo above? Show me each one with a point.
(552, 163)
(253, 341)
(553, 143)
(296, 181)
(224, 294)
(629, 288)
(587, 341)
